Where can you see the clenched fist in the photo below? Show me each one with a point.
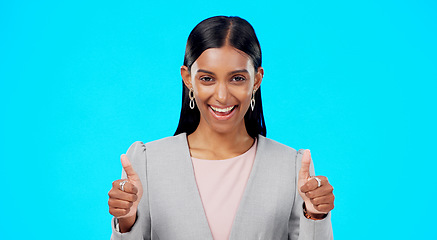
(123, 204)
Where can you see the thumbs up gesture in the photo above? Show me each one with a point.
(318, 197)
(124, 197)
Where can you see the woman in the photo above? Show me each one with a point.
(219, 177)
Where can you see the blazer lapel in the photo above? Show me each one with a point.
(268, 198)
(176, 207)
(249, 199)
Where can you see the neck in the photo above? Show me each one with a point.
(207, 143)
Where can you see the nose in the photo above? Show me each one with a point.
(221, 93)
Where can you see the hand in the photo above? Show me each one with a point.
(123, 204)
(318, 200)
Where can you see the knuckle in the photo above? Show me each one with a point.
(127, 187)
(111, 194)
(324, 209)
(112, 212)
(133, 189)
(127, 205)
(310, 194)
(133, 197)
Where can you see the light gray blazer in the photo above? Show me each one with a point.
(171, 207)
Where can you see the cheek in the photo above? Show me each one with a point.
(202, 94)
(243, 94)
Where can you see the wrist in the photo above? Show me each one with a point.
(313, 216)
(125, 224)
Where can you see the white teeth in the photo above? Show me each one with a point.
(222, 109)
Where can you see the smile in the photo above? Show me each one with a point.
(222, 113)
(222, 110)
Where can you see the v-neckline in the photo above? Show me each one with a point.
(235, 224)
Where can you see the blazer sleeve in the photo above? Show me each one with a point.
(301, 228)
(142, 226)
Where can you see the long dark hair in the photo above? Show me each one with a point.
(215, 32)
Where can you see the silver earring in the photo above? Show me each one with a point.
(252, 101)
(191, 96)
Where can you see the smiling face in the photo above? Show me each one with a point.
(223, 80)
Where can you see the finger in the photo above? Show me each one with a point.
(118, 212)
(117, 203)
(118, 194)
(324, 208)
(127, 166)
(128, 187)
(326, 199)
(304, 172)
(313, 184)
(319, 192)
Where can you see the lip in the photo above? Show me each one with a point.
(222, 117)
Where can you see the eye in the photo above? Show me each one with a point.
(238, 78)
(206, 79)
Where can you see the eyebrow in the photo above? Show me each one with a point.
(233, 72)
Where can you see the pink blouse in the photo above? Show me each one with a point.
(221, 185)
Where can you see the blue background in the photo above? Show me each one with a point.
(354, 81)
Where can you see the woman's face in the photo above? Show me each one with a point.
(223, 80)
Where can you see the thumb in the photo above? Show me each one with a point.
(304, 172)
(127, 166)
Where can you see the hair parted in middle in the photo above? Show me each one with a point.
(216, 32)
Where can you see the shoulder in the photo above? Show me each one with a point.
(136, 146)
(179, 139)
(267, 144)
(280, 154)
(273, 148)
(161, 147)
(141, 146)
(278, 158)
(142, 154)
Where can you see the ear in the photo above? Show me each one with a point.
(258, 78)
(186, 77)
